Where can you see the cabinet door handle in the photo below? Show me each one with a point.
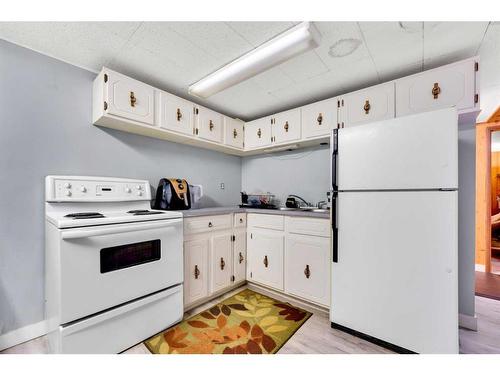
(241, 259)
(210, 225)
(179, 114)
(259, 133)
(286, 126)
(196, 271)
(241, 220)
(367, 107)
(211, 125)
(320, 119)
(222, 264)
(307, 271)
(133, 99)
(235, 133)
(436, 90)
(266, 262)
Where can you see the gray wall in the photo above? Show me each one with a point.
(466, 219)
(46, 128)
(305, 173)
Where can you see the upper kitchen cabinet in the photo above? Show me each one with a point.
(258, 133)
(446, 86)
(123, 98)
(372, 104)
(286, 126)
(319, 118)
(174, 113)
(209, 124)
(233, 132)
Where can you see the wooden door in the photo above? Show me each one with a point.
(176, 114)
(286, 126)
(258, 133)
(319, 118)
(220, 261)
(265, 257)
(195, 269)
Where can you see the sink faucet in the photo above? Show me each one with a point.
(306, 203)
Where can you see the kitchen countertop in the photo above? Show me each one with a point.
(232, 209)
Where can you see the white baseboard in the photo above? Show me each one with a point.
(467, 322)
(23, 334)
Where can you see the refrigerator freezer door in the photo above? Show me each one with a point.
(411, 152)
(396, 274)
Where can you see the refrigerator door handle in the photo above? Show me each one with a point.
(334, 195)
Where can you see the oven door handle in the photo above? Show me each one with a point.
(125, 228)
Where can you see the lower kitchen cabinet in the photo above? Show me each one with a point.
(307, 267)
(195, 270)
(239, 256)
(220, 261)
(265, 257)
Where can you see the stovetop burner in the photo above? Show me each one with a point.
(144, 212)
(85, 215)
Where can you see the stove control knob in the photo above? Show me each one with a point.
(83, 189)
(128, 190)
(68, 193)
(139, 187)
(139, 193)
(67, 185)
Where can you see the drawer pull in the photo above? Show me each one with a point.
(286, 126)
(259, 133)
(436, 90)
(320, 119)
(241, 259)
(307, 271)
(367, 107)
(179, 114)
(222, 264)
(266, 262)
(196, 271)
(235, 133)
(210, 225)
(133, 99)
(211, 125)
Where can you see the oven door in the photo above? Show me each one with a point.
(105, 266)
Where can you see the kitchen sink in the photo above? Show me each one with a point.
(309, 209)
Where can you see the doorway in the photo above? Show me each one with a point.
(488, 207)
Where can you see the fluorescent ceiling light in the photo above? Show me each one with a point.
(299, 39)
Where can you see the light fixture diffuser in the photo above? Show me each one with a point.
(299, 39)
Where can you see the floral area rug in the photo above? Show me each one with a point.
(247, 322)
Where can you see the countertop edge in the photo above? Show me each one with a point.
(210, 211)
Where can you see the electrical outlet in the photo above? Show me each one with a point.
(222, 186)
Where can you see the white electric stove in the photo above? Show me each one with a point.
(114, 267)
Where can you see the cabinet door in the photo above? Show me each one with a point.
(195, 270)
(307, 268)
(129, 98)
(176, 114)
(265, 257)
(451, 85)
(258, 133)
(239, 256)
(319, 118)
(220, 261)
(209, 124)
(233, 129)
(286, 126)
(372, 104)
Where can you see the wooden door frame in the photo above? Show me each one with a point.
(483, 192)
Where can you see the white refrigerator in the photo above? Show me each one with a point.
(395, 232)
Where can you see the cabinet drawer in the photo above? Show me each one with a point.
(240, 220)
(372, 104)
(451, 85)
(275, 222)
(128, 98)
(307, 268)
(319, 118)
(308, 225)
(207, 223)
(233, 132)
